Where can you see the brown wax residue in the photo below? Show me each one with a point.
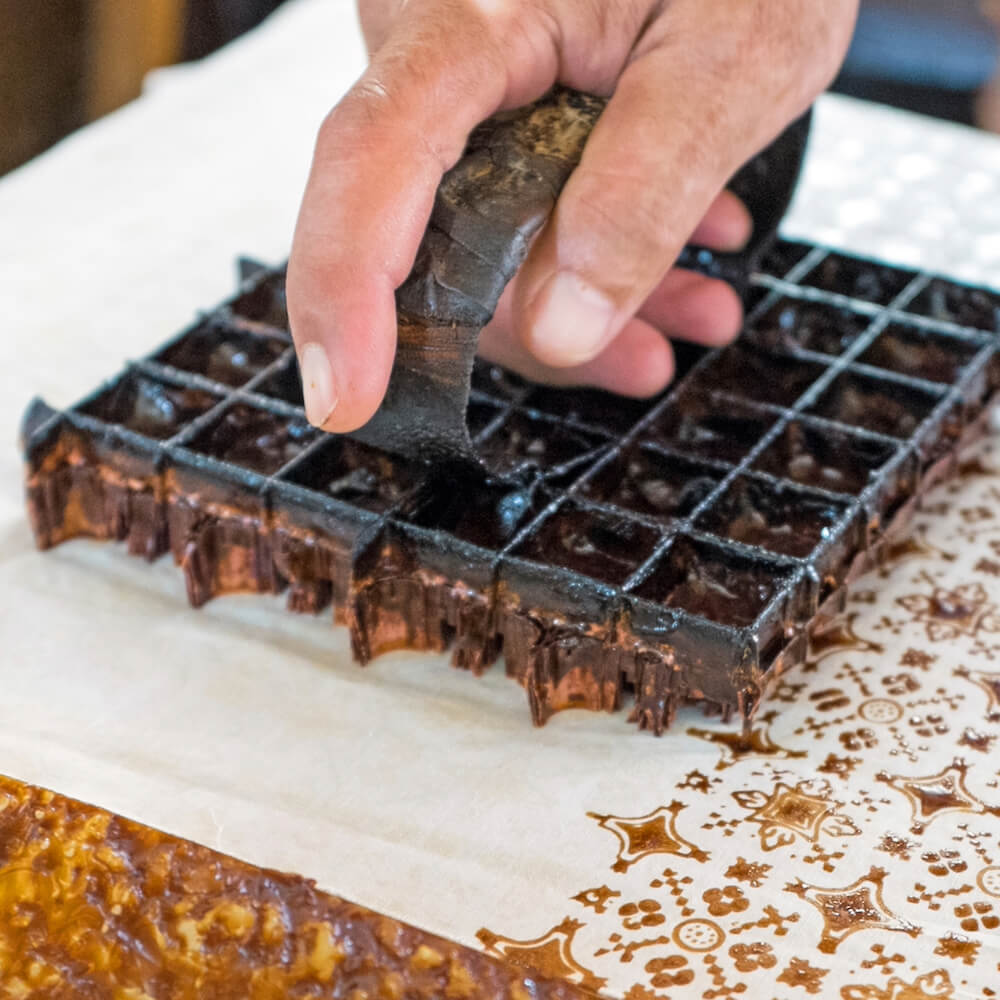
(95, 905)
(948, 605)
(750, 741)
(898, 847)
(972, 468)
(976, 740)
(228, 538)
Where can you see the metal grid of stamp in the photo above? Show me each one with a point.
(638, 554)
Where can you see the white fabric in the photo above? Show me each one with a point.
(409, 787)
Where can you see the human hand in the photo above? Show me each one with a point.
(696, 89)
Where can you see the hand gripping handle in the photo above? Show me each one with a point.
(487, 210)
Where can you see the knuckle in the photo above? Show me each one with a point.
(374, 111)
(803, 40)
(595, 38)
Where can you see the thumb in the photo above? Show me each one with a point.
(672, 135)
(379, 158)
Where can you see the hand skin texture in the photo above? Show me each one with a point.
(697, 87)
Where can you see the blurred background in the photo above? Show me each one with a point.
(66, 62)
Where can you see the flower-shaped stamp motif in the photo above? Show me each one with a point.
(949, 614)
(750, 957)
(654, 833)
(935, 985)
(722, 902)
(937, 795)
(856, 907)
(805, 811)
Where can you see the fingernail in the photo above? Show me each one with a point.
(317, 384)
(572, 321)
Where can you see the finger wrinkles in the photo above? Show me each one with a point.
(620, 20)
(629, 218)
(369, 117)
(814, 39)
(376, 17)
(596, 37)
(510, 39)
(782, 52)
(411, 62)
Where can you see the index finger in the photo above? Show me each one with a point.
(378, 161)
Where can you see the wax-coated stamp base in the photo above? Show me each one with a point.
(638, 555)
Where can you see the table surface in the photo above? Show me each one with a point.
(675, 867)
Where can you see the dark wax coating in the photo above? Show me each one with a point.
(639, 554)
(487, 210)
(96, 906)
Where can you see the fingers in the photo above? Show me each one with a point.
(726, 226)
(638, 362)
(689, 306)
(708, 86)
(621, 220)
(376, 17)
(378, 161)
